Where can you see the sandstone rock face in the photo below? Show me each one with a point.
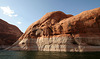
(57, 31)
(8, 34)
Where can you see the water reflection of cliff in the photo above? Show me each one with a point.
(47, 55)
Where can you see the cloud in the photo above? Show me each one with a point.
(15, 15)
(19, 22)
(7, 11)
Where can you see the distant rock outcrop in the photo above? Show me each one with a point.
(57, 31)
(9, 34)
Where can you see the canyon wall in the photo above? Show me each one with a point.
(57, 31)
(9, 34)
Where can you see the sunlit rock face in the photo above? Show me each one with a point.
(9, 34)
(57, 31)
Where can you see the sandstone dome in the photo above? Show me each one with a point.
(57, 31)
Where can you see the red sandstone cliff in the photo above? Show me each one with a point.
(9, 34)
(57, 31)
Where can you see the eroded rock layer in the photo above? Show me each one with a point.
(9, 34)
(57, 31)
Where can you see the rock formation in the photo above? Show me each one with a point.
(57, 31)
(8, 34)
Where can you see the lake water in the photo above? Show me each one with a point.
(47, 55)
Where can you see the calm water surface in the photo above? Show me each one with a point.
(47, 55)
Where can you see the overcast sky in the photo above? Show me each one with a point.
(22, 13)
